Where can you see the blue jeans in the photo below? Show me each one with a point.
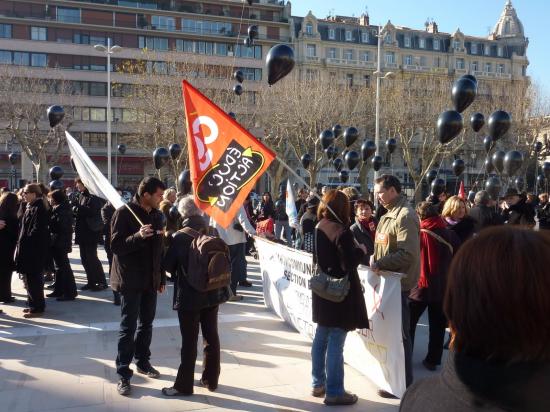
(280, 226)
(327, 358)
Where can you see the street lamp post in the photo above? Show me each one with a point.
(108, 51)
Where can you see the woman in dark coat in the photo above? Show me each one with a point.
(337, 254)
(61, 229)
(9, 229)
(266, 208)
(32, 249)
(437, 246)
(455, 213)
(194, 308)
(364, 227)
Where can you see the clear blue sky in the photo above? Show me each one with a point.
(474, 17)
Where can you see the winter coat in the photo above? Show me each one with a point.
(337, 256)
(484, 217)
(34, 239)
(8, 241)
(364, 237)
(107, 212)
(88, 209)
(397, 242)
(469, 384)
(136, 261)
(231, 235)
(543, 214)
(519, 214)
(464, 229)
(61, 227)
(280, 210)
(176, 261)
(265, 210)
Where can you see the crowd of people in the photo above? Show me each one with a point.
(454, 253)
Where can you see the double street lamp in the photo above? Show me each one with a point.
(108, 50)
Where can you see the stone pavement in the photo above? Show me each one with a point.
(65, 360)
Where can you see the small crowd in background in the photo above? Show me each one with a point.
(453, 252)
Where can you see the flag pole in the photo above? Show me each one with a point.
(302, 181)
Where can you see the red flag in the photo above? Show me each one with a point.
(225, 159)
(461, 192)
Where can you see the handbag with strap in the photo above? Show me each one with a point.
(439, 239)
(326, 286)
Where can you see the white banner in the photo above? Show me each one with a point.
(291, 206)
(96, 183)
(377, 352)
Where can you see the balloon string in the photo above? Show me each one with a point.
(238, 35)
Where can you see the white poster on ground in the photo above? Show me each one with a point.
(377, 352)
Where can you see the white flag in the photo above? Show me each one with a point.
(96, 183)
(291, 206)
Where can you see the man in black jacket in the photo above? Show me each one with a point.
(516, 211)
(484, 212)
(136, 273)
(88, 230)
(543, 212)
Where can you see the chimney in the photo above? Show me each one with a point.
(431, 27)
(364, 20)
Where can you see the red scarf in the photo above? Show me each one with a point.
(369, 225)
(429, 245)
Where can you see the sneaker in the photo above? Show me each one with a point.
(345, 399)
(245, 283)
(235, 298)
(318, 391)
(428, 365)
(124, 388)
(205, 383)
(102, 286)
(86, 287)
(149, 371)
(174, 392)
(385, 394)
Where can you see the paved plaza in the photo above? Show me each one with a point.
(65, 360)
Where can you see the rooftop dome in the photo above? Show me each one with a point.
(508, 24)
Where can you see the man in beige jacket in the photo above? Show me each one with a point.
(397, 249)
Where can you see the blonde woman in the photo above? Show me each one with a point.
(455, 213)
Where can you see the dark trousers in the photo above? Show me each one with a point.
(64, 276)
(437, 325)
(107, 245)
(238, 264)
(407, 343)
(135, 306)
(5, 285)
(189, 327)
(91, 263)
(35, 292)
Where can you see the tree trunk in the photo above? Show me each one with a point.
(41, 168)
(364, 178)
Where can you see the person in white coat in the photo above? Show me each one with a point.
(235, 237)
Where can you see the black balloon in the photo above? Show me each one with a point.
(331, 152)
(368, 148)
(438, 186)
(175, 150)
(279, 62)
(121, 148)
(546, 170)
(326, 138)
(55, 115)
(499, 123)
(238, 89)
(498, 160)
(337, 130)
(391, 145)
(248, 42)
(350, 136)
(184, 182)
(338, 164)
(253, 31)
(239, 76)
(449, 125)
(352, 159)
(493, 186)
(540, 180)
(174, 213)
(487, 143)
(335, 151)
(477, 121)
(344, 153)
(56, 185)
(232, 115)
(431, 175)
(463, 93)
(489, 168)
(306, 160)
(537, 147)
(471, 77)
(344, 176)
(471, 196)
(56, 173)
(377, 162)
(513, 160)
(458, 167)
(160, 157)
(13, 158)
(519, 183)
